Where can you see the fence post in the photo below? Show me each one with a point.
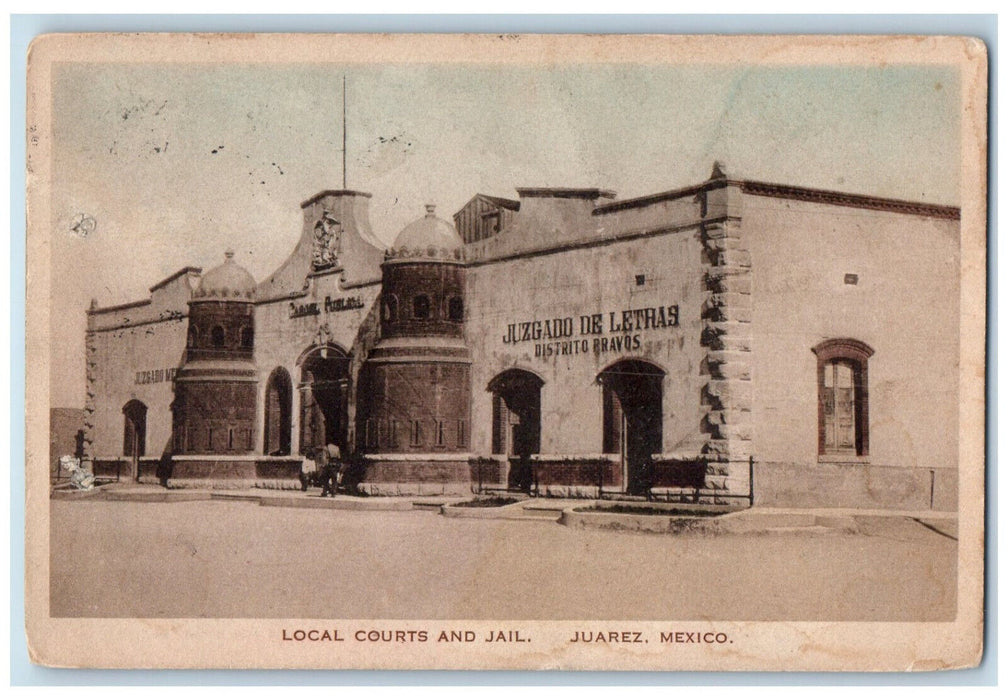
(752, 495)
(696, 489)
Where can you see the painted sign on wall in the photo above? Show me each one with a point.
(153, 376)
(612, 331)
(330, 305)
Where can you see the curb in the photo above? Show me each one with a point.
(633, 522)
(372, 504)
(732, 521)
(250, 498)
(156, 496)
(512, 511)
(487, 513)
(75, 495)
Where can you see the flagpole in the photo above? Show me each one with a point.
(344, 132)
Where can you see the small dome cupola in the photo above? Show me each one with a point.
(227, 281)
(427, 238)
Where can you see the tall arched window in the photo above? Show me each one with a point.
(193, 338)
(456, 309)
(516, 429)
(278, 411)
(843, 397)
(421, 307)
(632, 418)
(247, 338)
(217, 336)
(391, 307)
(134, 428)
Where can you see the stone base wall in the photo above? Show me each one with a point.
(568, 491)
(865, 486)
(250, 470)
(111, 468)
(569, 472)
(488, 472)
(417, 478)
(432, 488)
(420, 471)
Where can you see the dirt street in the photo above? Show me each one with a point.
(236, 559)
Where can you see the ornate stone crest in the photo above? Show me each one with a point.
(326, 242)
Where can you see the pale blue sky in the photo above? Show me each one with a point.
(134, 148)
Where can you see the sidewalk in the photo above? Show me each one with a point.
(566, 511)
(153, 493)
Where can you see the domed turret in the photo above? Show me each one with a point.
(215, 389)
(227, 281)
(427, 238)
(413, 390)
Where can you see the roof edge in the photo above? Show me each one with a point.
(847, 199)
(117, 307)
(185, 270)
(565, 192)
(333, 193)
(807, 194)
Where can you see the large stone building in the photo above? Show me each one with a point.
(731, 338)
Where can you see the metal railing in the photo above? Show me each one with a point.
(668, 494)
(693, 494)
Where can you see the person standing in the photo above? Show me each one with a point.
(330, 477)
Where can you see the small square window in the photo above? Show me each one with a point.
(641, 279)
(850, 278)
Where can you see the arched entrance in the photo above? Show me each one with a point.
(277, 419)
(324, 389)
(134, 434)
(632, 418)
(516, 422)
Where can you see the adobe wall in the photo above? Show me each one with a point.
(905, 305)
(660, 271)
(132, 352)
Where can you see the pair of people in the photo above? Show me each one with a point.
(331, 466)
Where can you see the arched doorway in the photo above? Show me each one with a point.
(324, 389)
(134, 434)
(516, 422)
(277, 419)
(632, 418)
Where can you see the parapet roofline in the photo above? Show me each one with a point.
(189, 269)
(566, 192)
(512, 204)
(118, 307)
(333, 193)
(175, 275)
(806, 194)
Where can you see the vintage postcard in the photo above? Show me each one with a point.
(506, 352)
